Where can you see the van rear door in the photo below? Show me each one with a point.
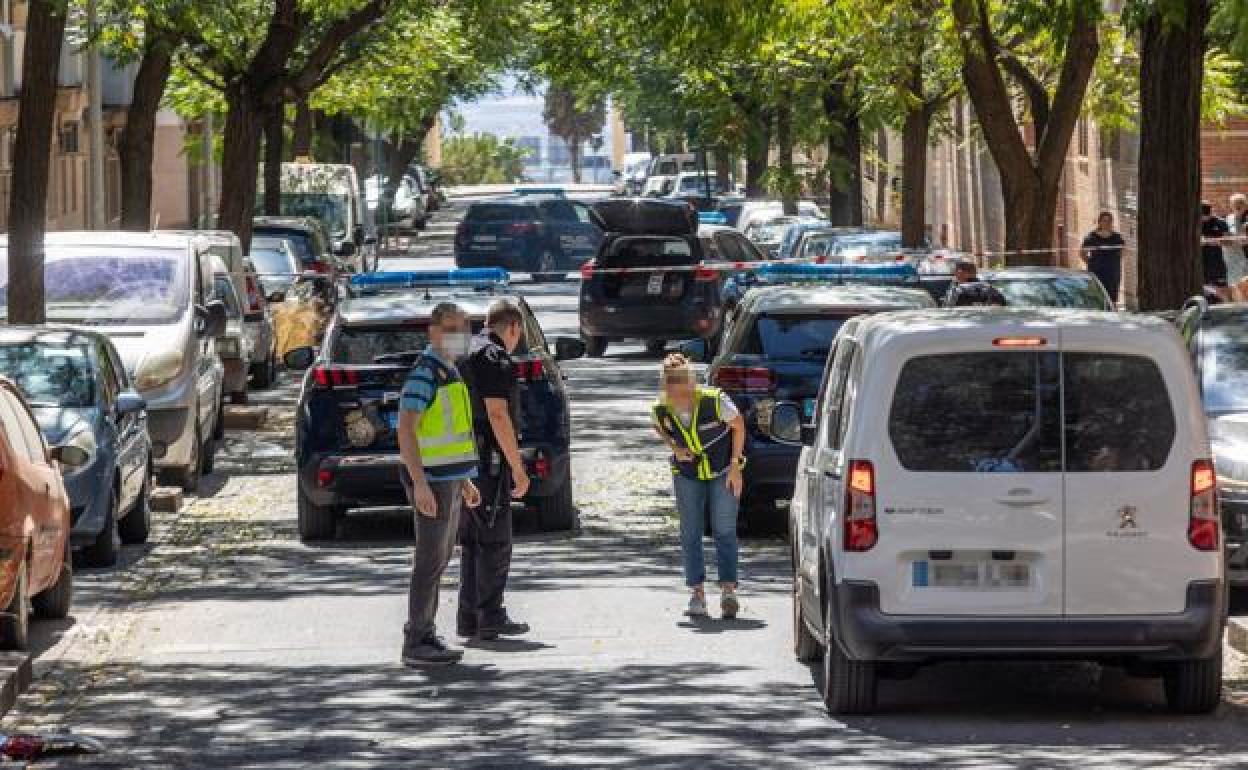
(969, 499)
(1129, 457)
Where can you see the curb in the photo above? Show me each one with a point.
(1237, 635)
(15, 675)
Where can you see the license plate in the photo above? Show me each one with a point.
(485, 239)
(988, 576)
(655, 286)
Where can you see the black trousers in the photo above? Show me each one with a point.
(485, 554)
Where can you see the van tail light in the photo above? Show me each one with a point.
(744, 379)
(861, 531)
(521, 228)
(529, 371)
(1202, 525)
(318, 266)
(587, 270)
(703, 273)
(335, 377)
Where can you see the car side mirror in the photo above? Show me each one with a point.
(129, 402)
(786, 423)
(298, 359)
(70, 456)
(696, 350)
(211, 319)
(569, 348)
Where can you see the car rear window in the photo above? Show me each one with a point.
(1065, 291)
(1001, 413)
(805, 337)
(648, 251)
(362, 345)
(498, 212)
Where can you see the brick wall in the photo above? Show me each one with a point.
(1224, 162)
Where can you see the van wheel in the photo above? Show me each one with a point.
(595, 347)
(15, 623)
(656, 348)
(103, 550)
(1194, 686)
(849, 686)
(316, 522)
(136, 524)
(54, 603)
(557, 513)
(805, 645)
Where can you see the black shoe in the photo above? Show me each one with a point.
(507, 627)
(465, 630)
(431, 651)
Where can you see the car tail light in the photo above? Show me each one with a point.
(1202, 525)
(253, 292)
(744, 379)
(521, 228)
(335, 377)
(324, 477)
(319, 267)
(587, 270)
(703, 273)
(861, 532)
(541, 467)
(529, 371)
(1020, 342)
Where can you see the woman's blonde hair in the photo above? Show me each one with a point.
(677, 369)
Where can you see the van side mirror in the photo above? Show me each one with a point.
(569, 348)
(697, 350)
(786, 423)
(129, 402)
(298, 359)
(211, 319)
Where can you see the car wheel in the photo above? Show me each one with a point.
(263, 374)
(54, 603)
(102, 552)
(188, 476)
(656, 348)
(1194, 686)
(557, 513)
(805, 646)
(136, 524)
(849, 686)
(316, 522)
(15, 622)
(595, 347)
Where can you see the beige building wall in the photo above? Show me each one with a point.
(171, 172)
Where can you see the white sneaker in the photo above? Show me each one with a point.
(697, 607)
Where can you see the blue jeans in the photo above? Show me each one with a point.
(692, 498)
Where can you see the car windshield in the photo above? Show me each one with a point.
(648, 251)
(696, 184)
(110, 286)
(272, 259)
(818, 245)
(1070, 291)
(867, 247)
(301, 245)
(1224, 363)
(363, 345)
(327, 207)
(806, 336)
(768, 232)
(51, 375)
(498, 212)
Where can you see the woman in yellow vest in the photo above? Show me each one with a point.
(706, 434)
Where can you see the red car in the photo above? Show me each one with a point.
(35, 567)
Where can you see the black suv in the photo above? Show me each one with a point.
(546, 236)
(346, 445)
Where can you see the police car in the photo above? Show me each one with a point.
(346, 445)
(775, 348)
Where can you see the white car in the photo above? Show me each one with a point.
(658, 186)
(752, 211)
(1030, 484)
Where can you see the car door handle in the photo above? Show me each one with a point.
(809, 471)
(1022, 501)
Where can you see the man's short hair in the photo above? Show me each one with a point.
(445, 311)
(503, 312)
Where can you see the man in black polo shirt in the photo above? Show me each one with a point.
(485, 532)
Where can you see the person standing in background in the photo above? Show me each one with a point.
(1102, 252)
(1213, 262)
(1237, 223)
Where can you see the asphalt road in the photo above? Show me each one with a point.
(227, 643)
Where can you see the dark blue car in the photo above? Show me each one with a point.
(81, 396)
(346, 445)
(545, 235)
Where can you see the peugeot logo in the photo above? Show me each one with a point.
(1126, 517)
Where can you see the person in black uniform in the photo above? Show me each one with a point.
(1213, 264)
(485, 532)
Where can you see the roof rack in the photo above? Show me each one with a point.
(483, 279)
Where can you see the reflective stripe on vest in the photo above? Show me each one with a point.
(707, 437)
(445, 429)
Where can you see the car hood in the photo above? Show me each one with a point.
(135, 343)
(59, 423)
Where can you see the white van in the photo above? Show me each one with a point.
(151, 293)
(1007, 484)
(331, 193)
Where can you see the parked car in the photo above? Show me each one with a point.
(1029, 484)
(258, 326)
(277, 266)
(695, 184)
(743, 213)
(234, 346)
(1057, 287)
(406, 210)
(152, 295)
(331, 193)
(649, 280)
(308, 237)
(542, 234)
(816, 243)
(346, 448)
(36, 571)
(81, 396)
(1217, 337)
(769, 234)
(658, 186)
(775, 350)
(673, 164)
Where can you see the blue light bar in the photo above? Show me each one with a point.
(559, 191)
(712, 218)
(895, 272)
(475, 278)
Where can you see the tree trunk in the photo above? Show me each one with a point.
(274, 141)
(845, 195)
(757, 149)
(241, 138)
(914, 177)
(723, 169)
(28, 196)
(574, 153)
(1030, 218)
(301, 138)
(137, 140)
(882, 170)
(784, 156)
(1171, 79)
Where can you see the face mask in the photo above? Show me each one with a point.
(456, 344)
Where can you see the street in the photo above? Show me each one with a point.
(225, 642)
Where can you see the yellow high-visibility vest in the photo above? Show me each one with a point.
(445, 432)
(708, 437)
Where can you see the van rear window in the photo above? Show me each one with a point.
(1001, 413)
